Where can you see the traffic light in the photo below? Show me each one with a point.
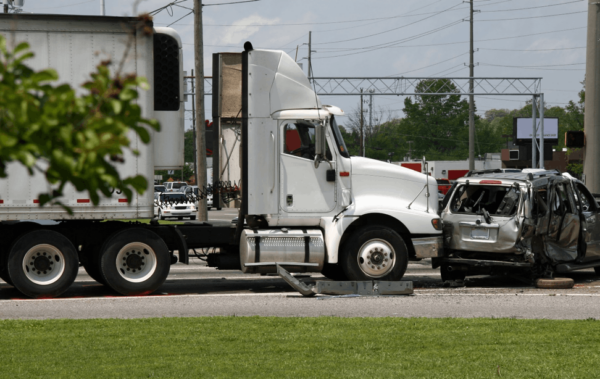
(574, 138)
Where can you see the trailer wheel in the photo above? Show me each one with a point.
(90, 259)
(4, 267)
(42, 263)
(374, 252)
(135, 262)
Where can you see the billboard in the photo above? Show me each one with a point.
(523, 130)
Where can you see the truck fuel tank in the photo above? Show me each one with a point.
(297, 250)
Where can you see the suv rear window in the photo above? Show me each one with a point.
(497, 200)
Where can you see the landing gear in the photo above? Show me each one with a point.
(42, 263)
(135, 262)
(374, 252)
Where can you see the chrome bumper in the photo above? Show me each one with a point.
(429, 247)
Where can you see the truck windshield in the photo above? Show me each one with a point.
(339, 140)
(497, 200)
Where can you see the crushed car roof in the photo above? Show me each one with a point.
(520, 176)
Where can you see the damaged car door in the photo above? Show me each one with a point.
(590, 223)
(562, 235)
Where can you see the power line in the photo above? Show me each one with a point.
(541, 67)
(389, 30)
(448, 69)
(541, 6)
(527, 18)
(392, 43)
(562, 48)
(235, 2)
(69, 5)
(431, 65)
(397, 45)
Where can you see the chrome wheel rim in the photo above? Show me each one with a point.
(136, 262)
(43, 264)
(376, 258)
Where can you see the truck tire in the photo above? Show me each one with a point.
(135, 262)
(555, 283)
(90, 259)
(334, 272)
(374, 252)
(4, 267)
(597, 270)
(42, 263)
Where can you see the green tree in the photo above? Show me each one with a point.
(69, 138)
(438, 124)
(188, 146)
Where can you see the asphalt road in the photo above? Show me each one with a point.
(198, 290)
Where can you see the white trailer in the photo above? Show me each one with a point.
(308, 205)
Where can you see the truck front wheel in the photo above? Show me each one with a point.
(135, 262)
(375, 252)
(42, 263)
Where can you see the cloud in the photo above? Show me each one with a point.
(234, 35)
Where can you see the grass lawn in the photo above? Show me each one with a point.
(324, 347)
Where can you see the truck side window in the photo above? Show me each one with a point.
(299, 140)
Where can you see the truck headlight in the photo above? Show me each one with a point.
(437, 224)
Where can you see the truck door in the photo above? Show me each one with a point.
(304, 188)
(563, 228)
(590, 223)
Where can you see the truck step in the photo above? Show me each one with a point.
(359, 288)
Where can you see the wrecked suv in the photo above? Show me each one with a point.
(540, 222)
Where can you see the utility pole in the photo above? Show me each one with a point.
(102, 9)
(592, 97)
(193, 78)
(200, 117)
(410, 149)
(471, 99)
(371, 111)
(362, 126)
(309, 56)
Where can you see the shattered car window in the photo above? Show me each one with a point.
(497, 200)
(588, 202)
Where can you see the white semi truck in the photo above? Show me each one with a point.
(307, 205)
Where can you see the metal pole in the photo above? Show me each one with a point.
(534, 136)
(200, 117)
(371, 111)
(471, 98)
(362, 130)
(102, 9)
(192, 79)
(309, 56)
(541, 165)
(592, 105)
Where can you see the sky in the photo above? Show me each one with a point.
(513, 38)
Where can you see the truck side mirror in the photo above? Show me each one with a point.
(320, 143)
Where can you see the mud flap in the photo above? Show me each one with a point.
(181, 245)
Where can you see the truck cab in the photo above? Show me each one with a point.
(308, 203)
